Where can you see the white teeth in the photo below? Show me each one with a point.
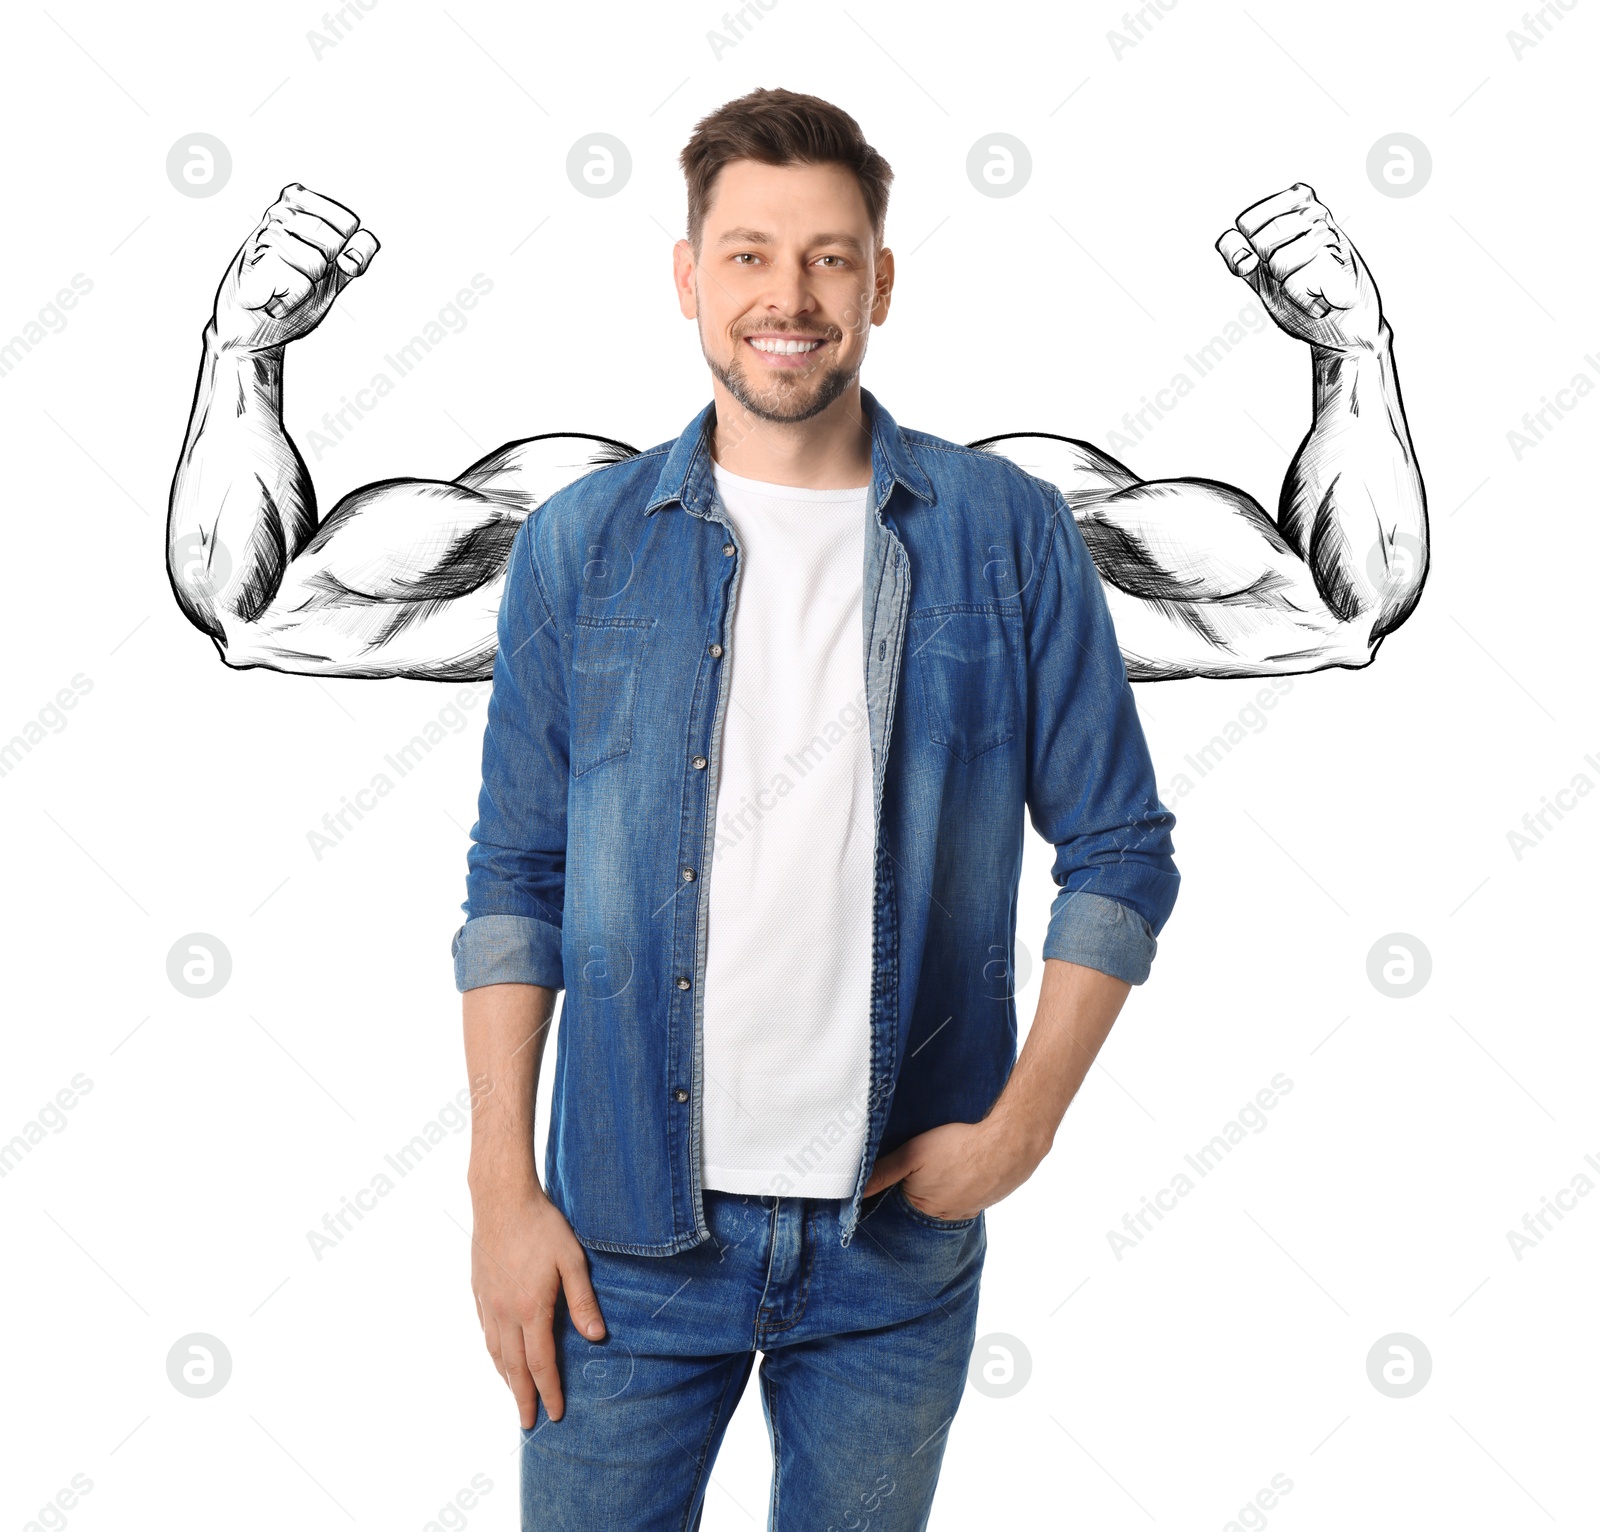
(785, 347)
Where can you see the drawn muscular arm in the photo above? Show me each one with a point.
(1199, 578)
(402, 577)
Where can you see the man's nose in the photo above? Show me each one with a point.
(788, 293)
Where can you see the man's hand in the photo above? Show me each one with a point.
(524, 1254)
(959, 1169)
(285, 276)
(1305, 270)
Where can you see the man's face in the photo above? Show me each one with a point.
(786, 285)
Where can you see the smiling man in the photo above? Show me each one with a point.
(770, 704)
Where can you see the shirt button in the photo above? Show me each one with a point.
(688, 875)
(727, 550)
(716, 651)
(699, 763)
(680, 1094)
(683, 983)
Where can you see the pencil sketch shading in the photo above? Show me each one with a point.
(404, 577)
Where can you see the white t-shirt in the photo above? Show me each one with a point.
(787, 1009)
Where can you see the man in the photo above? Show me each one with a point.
(769, 703)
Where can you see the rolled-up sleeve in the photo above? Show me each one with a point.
(1091, 784)
(516, 865)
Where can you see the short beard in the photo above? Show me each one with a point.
(834, 383)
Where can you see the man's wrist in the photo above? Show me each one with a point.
(487, 1181)
(1017, 1139)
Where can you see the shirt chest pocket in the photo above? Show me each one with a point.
(966, 659)
(607, 656)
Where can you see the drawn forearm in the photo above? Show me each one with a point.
(1202, 581)
(1353, 504)
(401, 578)
(242, 504)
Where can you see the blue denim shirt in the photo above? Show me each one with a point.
(993, 684)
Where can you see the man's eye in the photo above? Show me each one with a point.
(838, 258)
(746, 255)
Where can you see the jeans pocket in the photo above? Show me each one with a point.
(607, 655)
(916, 1215)
(967, 659)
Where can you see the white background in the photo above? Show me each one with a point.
(1167, 1387)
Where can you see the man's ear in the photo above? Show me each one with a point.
(883, 285)
(683, 269)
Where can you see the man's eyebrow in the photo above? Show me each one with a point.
(745, 237)
(849, 241)
(760, 237)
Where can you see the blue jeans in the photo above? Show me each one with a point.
(864, 1362)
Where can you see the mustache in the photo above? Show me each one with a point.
(831, 333)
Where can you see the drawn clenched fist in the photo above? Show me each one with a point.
(298, 259)
(1305, 270)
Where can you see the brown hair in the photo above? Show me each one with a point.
(781, 127)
